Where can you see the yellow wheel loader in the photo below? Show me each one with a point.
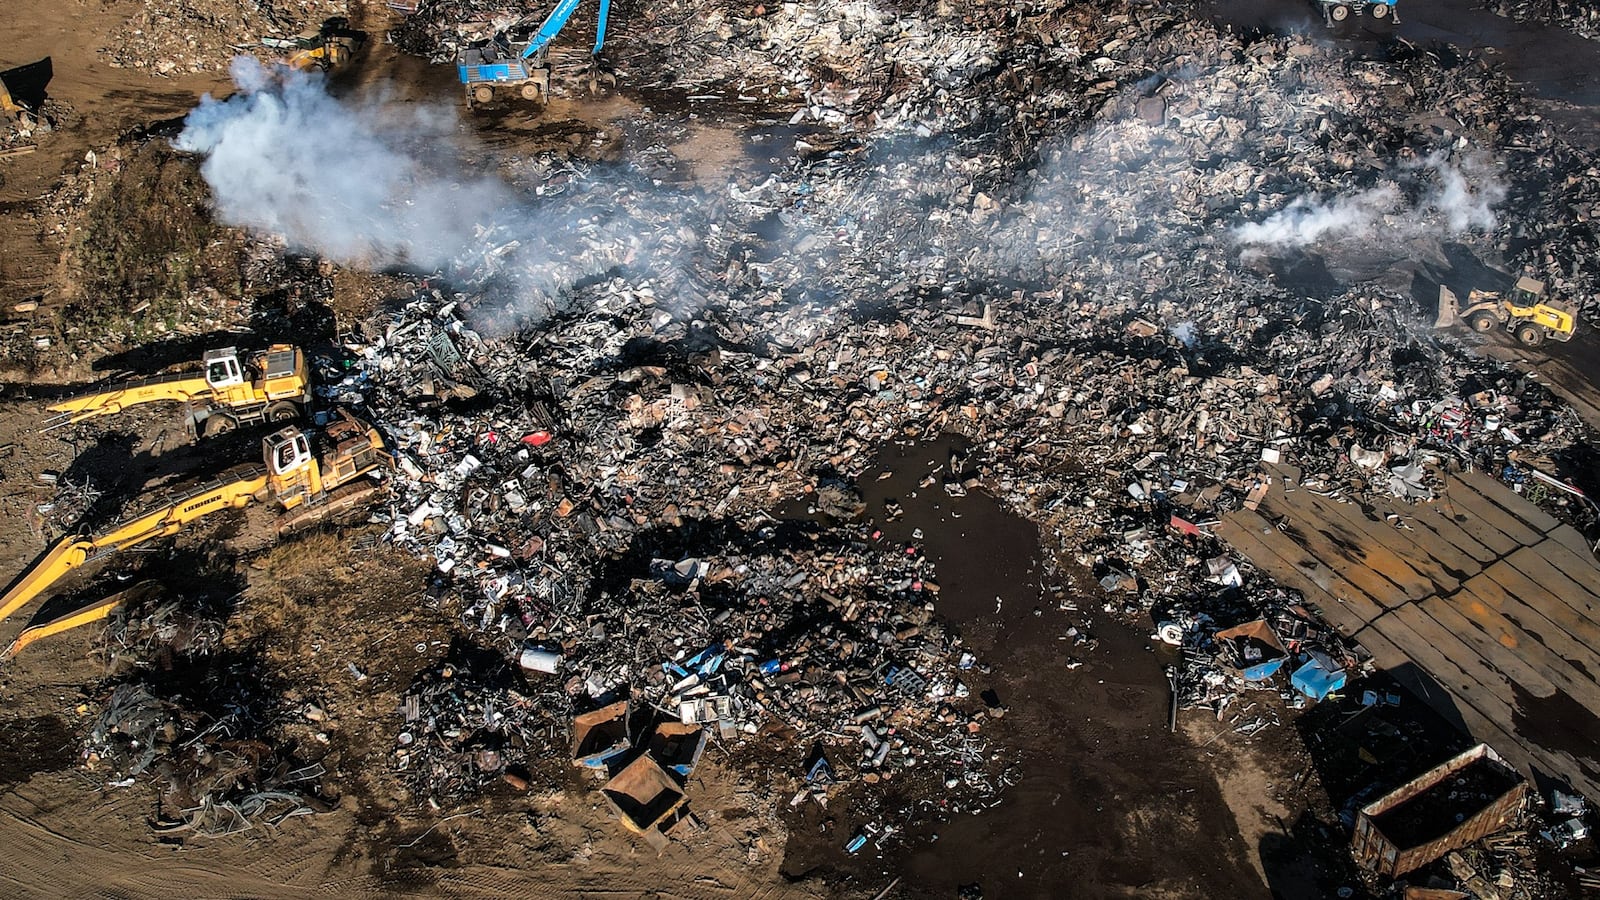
(1526, 313)
(309, 475)
(230, 390)
(329, 46)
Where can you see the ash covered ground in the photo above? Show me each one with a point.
(859, 382)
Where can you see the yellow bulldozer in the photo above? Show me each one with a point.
(1526, 312)
(309, 475)
(230, 389)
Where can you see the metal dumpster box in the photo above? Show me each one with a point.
(1456, 803)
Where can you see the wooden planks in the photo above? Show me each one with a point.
(1508, 500)
(1279, 554)
(1491, 597)
(1342, 554)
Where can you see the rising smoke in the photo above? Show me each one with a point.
(333, 178)
(1450, 198)
(375, 184)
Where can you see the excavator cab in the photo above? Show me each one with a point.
(287, 451)
(222, 369)
(291, 466)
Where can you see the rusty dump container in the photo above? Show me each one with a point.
(1456, 803)
(647, 800)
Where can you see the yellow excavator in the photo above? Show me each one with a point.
(231, 389)
(8, 106)
(310, 475)
(1526, 312)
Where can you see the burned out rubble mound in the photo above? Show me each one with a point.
(592, 441)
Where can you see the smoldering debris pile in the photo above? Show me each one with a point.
(1128, 257)
(655, 576)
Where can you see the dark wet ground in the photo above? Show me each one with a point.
(38, 744)
(1110, 804)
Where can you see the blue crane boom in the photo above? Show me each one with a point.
(557, 20)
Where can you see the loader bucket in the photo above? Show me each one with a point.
(1449, 308)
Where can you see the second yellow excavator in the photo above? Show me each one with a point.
(230, 389)
(309, 475)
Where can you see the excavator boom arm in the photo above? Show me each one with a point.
(71, 552)
(112, 400)
(557, 20)
(67, 554)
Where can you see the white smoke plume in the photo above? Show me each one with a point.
(283, 156)
(1450, 198)
(378, 185)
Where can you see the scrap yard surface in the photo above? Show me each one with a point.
(874, 449)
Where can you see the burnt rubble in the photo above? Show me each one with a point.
(597, 423)
(630, 421)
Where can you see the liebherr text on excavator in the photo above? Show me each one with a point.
(310, 475)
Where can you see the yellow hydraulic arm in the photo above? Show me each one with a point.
(70, 552)
(179, 387)
(42, 627)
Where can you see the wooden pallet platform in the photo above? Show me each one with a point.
(1490, 596)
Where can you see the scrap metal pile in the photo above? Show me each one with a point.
(1087, 261)
(632, 542)
(209, 749)
(1134, 260)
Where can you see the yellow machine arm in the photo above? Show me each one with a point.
(71, 552)
(83, 615)
(178, 387)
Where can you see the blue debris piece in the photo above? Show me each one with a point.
(1319, 677)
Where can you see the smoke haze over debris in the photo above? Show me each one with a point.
(373, 184)
(1450, 198)
(333, 178)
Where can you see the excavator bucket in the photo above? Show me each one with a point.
(1449, 308)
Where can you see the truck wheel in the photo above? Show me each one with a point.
(531, 92)
(1380, 10)
(1481, 322)
(483, 93)
(220, 424)
(283, 411)
(1530, 335)
(1340, 13)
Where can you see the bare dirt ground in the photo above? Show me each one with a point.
(106, 101)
